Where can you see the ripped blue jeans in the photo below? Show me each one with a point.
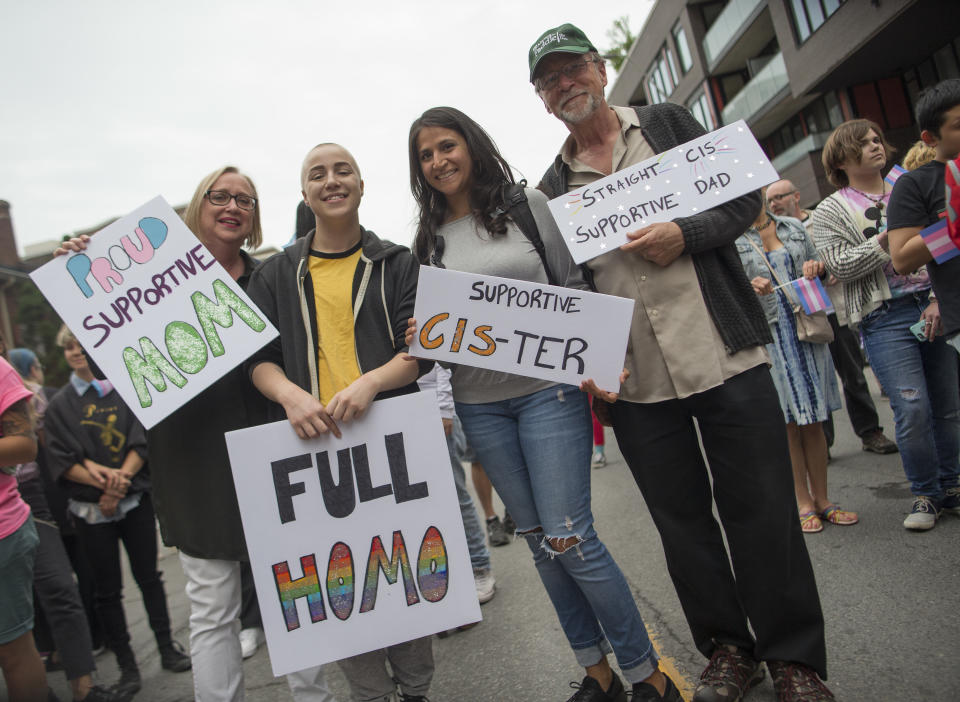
(536, 451)
(920, 378)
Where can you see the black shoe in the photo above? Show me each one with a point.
(727, 677)
(174, 658)
(496, 533)
(509, 525)
(129, 683)
(590, 691)
(645, 692)
(412, 698)
(101, 694)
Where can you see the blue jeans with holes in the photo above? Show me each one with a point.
(920, 378)
(536, 450)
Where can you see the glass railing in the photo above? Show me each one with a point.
(811, 142)
(726, 26)
(763, 87)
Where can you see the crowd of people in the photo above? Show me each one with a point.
(724, 405)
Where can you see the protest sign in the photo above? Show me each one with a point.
(703, 173)
(355, 543)
(154, 309)
(530, 329)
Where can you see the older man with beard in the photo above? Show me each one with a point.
(695, 352)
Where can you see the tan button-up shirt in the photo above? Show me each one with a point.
(674, 348)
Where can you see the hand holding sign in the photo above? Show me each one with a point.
(660, 243)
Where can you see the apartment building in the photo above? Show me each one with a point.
(794, 69)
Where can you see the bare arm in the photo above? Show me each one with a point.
(353, 401)
(907, 249)
(305, 412)
(18, 444)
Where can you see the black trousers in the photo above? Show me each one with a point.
(772, 584)
(138, 532)
(60, 601)
(847, 359)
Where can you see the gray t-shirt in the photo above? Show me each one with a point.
(470, 248)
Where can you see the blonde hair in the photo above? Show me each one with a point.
(65, 337)
(844, 145)
(191, 217)
(918, 155)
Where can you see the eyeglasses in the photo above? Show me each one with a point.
(778, 198)
(571, 70)
(222, 197)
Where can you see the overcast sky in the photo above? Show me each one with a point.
(107, 103)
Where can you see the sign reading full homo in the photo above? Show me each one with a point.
(154, 309)
(355, 543)
(531, 329)
(703, 173)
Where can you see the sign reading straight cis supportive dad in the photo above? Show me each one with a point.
(703, 173)
(355, 543)
(154, 309)
(530, 329)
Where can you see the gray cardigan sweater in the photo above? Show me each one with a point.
(708, 236)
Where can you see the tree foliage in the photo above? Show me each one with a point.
(36, 326)
(621, 39)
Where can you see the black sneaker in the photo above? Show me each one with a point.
(509, 525)
(728, 675)
(645, 692)
(174, 658)
(589, 690)
(794, 682)
(412, 698)
(129, 683)
(101, 694)
(951, 501)
(496, 533)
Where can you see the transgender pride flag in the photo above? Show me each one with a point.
(812, 295)
(894, 173)
(937, 239)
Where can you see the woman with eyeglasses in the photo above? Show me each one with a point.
(533, 436)
(897, 316)
(193, 486)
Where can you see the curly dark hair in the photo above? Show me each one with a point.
(490, 173)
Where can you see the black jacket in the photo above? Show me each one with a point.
(384, 292)
(708, 236)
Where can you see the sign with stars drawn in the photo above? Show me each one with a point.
(703, 173)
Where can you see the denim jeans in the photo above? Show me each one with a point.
(920, 378)
(536, 450)
(476, 536)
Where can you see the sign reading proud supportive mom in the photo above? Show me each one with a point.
(355, 543)
(154, 309)
(531, 329)
(681, 182)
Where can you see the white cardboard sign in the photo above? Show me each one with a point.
(355, 543)
(154, 309)
(530, 329)
(703, 173)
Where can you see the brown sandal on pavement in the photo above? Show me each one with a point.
(810, 523)
(841, 517)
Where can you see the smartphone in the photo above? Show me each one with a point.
(919, 330)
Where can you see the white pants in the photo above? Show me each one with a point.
(213, 588)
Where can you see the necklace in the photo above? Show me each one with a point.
(762, 226)
(877, 201)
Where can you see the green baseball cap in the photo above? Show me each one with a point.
(565, 38)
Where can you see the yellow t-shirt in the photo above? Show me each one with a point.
(332, 276)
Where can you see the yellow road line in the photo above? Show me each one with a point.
(669, 666)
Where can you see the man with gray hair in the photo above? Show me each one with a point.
(783, 199)
(695, 352)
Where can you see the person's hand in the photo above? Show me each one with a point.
(447, 425)
(351, 402)
(762, 286)
(77, 243)
(409, 335)
(108, 505)
(590, 387)
(307, 415)
(109, 478)
(813, 269)
(662, 243)
(934, 325)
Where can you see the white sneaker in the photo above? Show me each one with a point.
(250, 640)
(923, 515)
(486, 584)
(599, 459)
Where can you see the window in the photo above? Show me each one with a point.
(809, 15)
(662, 76)
(699, 106)
(683, 49)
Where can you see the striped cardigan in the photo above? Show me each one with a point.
(856, 261)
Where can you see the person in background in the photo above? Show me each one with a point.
(850, 233)
(783, 200)
(599, 458)
(774, 251)
(53, 581)
(499, 531)
(20, 662)
(918, 155)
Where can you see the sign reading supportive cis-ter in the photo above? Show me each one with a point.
(703, 173)
(530, 329)
(154, 309)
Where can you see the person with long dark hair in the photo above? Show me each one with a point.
(533, 436)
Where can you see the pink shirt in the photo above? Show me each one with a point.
(13, 510)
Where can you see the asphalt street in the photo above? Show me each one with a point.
(888, 596)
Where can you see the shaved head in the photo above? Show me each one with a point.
(326, 146)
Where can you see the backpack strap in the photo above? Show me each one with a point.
(517, 206)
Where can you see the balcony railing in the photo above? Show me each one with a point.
(726, 27)
(811, 142)
(755, 95)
